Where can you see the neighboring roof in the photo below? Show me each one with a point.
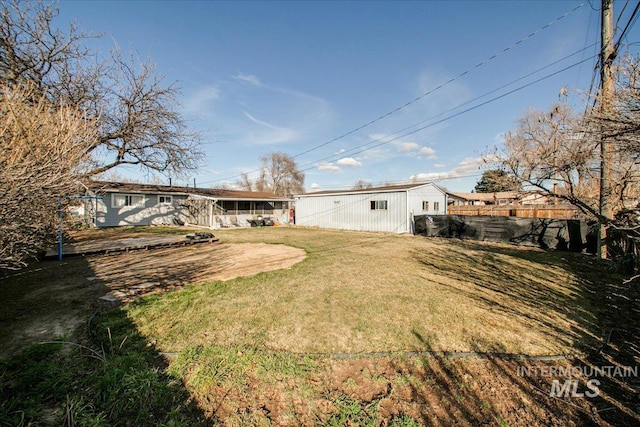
(220, 194)
(384, 189)
(488, 197)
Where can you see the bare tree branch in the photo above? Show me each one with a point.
(136, 112)
(555, 154)
(361, 184)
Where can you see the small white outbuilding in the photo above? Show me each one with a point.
(387, 209)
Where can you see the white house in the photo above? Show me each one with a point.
(388, 209)
(121, 204)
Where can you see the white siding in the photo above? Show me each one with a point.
(353, 212)
(430, 194)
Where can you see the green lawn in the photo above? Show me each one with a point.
(238, 343)
(362, 292)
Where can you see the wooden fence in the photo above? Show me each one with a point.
(518, 211)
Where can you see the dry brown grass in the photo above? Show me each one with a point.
(363, 292)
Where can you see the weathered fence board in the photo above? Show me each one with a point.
(519, 211)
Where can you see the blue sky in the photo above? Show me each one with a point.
(258, 77)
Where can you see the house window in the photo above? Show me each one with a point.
(228, 205)
(378, 205)
(436, 206)
(425, 206)
(264, 207)
(164, 200)
(121, 200)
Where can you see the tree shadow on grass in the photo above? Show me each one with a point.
(516, 283)
(70, 359)
(484, 390)
(604, 329)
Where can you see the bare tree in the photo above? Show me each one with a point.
(245, 183)
(42, 149)
(361, 184)
(553, 153)
(32, 50)
(278, 174)
(558, 154)
(620, 125)
(139, 122)
(136, 113)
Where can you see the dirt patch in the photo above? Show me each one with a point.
(428, 390)
(53, 299)
(130, 274)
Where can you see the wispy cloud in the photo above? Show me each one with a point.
(200, 101)
(255, 112)
(248, 78)
(428, 151)
(408, 146)
(273, 135)
(260, 122)
(349, 161)
(467, 167)
(328, 167)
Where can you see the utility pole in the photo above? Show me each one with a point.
(607, 56)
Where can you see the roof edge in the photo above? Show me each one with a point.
(385, 189)
(221, 194)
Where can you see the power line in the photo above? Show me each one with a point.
(630, 23)
(395, 138)
(626, 3)
(407, 104)
(594, 76)
(451, 80)
(365, 147)
(350, 151)
(595, 45)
